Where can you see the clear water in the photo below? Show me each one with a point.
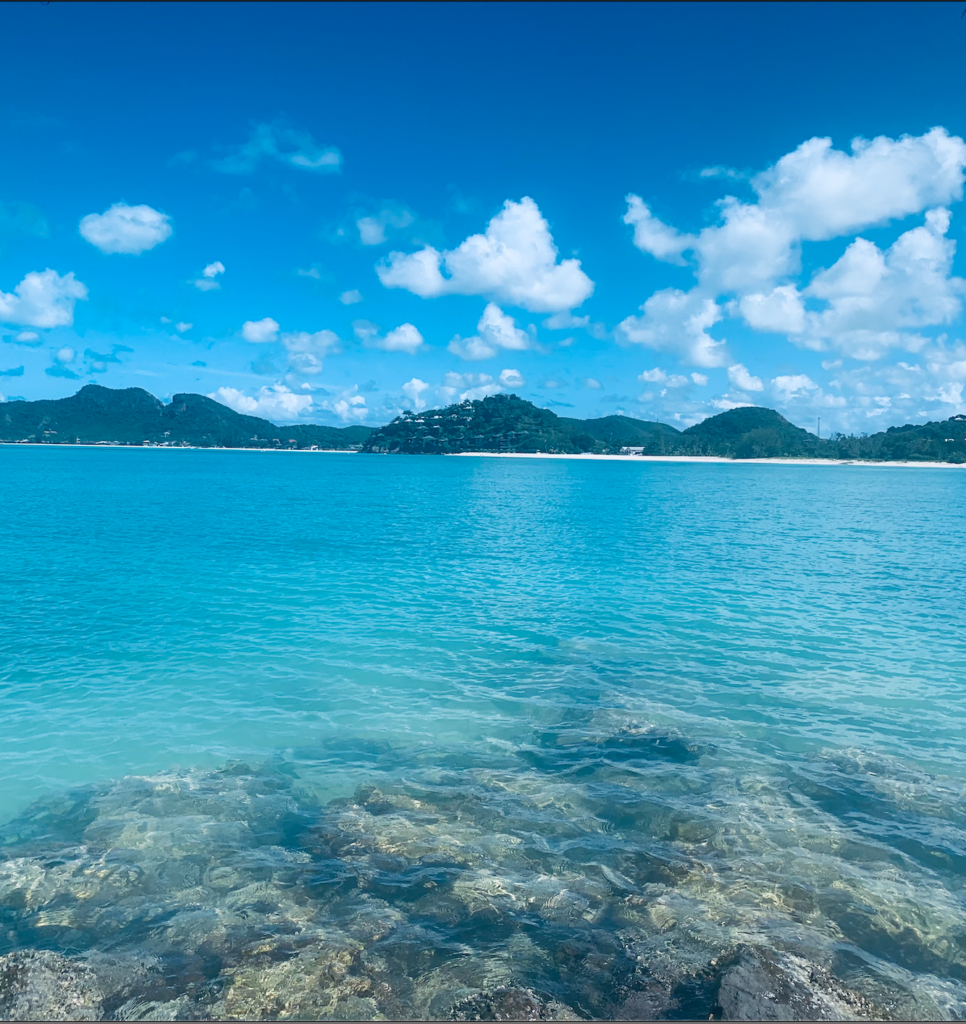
(333, 735)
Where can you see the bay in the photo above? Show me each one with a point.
(600, 731)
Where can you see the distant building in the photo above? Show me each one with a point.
(632, 451)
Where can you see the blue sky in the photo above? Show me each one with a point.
(330, 213)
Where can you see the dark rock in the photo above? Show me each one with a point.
(510, 1004)
(763, 985)
(41, 985)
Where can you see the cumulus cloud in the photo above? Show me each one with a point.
(495, 331)
(126, 229)
(27, 338)
(512, 379)
(42, 299)
(928, 387)
(182, 326)
(404, 338)
(207, 282)
(290, 146)
(413, 389)
(467, 387)
(673, 380)
(306, 349)
(869, 301)
(741, 378)
(273, 402)
(260, 331)
(351, 296)
(677, 322)
(793, 386)
(65, 354)
(514, 261)
(349, 406)
(654, 236)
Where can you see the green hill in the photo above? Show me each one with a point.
(616, 432)
(942, 441)
(750, 432)
(500, 423)
(506, 423)
(132, 416)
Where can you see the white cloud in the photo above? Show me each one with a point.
(793, 386)
(512, 379)
(514, 262)
(654, 376)
(291, 146)
(742, 379)
(413, 390)
(700, 379)
(469, 387)
(306, 350)
(678, 322)
(863, 305)
(182, 326)
(351, 296)
(126, 229)
(654, 236)
(42, 299)
(495, 331)
(27, 337)
(873, 297)
(260, 331)
(781, 310)
(566, 321)
(593, 383)
(723, 172)
(207, 282)
(273, 402)
(372, 227)
(349, 406)
(825, 193)
(404, 338)
(65, 355)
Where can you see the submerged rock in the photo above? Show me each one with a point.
(510, 1004)
(764, 985)
(41, 985)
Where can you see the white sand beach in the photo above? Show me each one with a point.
(710, 458)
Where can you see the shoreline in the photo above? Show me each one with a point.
(587, 456)
(712, 459)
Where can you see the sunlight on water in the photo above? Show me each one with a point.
(326, 736)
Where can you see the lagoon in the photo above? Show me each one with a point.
(415, 730)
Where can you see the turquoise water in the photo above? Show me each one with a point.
(587, 728)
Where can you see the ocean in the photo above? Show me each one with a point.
(346, 736)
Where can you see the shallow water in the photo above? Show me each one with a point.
(303, 735)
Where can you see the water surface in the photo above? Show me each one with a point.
(411, 728)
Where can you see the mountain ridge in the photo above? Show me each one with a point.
(498, 423)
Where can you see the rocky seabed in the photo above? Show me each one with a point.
(613, 871)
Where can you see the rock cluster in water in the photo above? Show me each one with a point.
(454, 894)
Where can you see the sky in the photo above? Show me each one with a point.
(332, 212)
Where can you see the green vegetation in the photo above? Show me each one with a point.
(132, 416)
(501, 423)
(505, 423)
